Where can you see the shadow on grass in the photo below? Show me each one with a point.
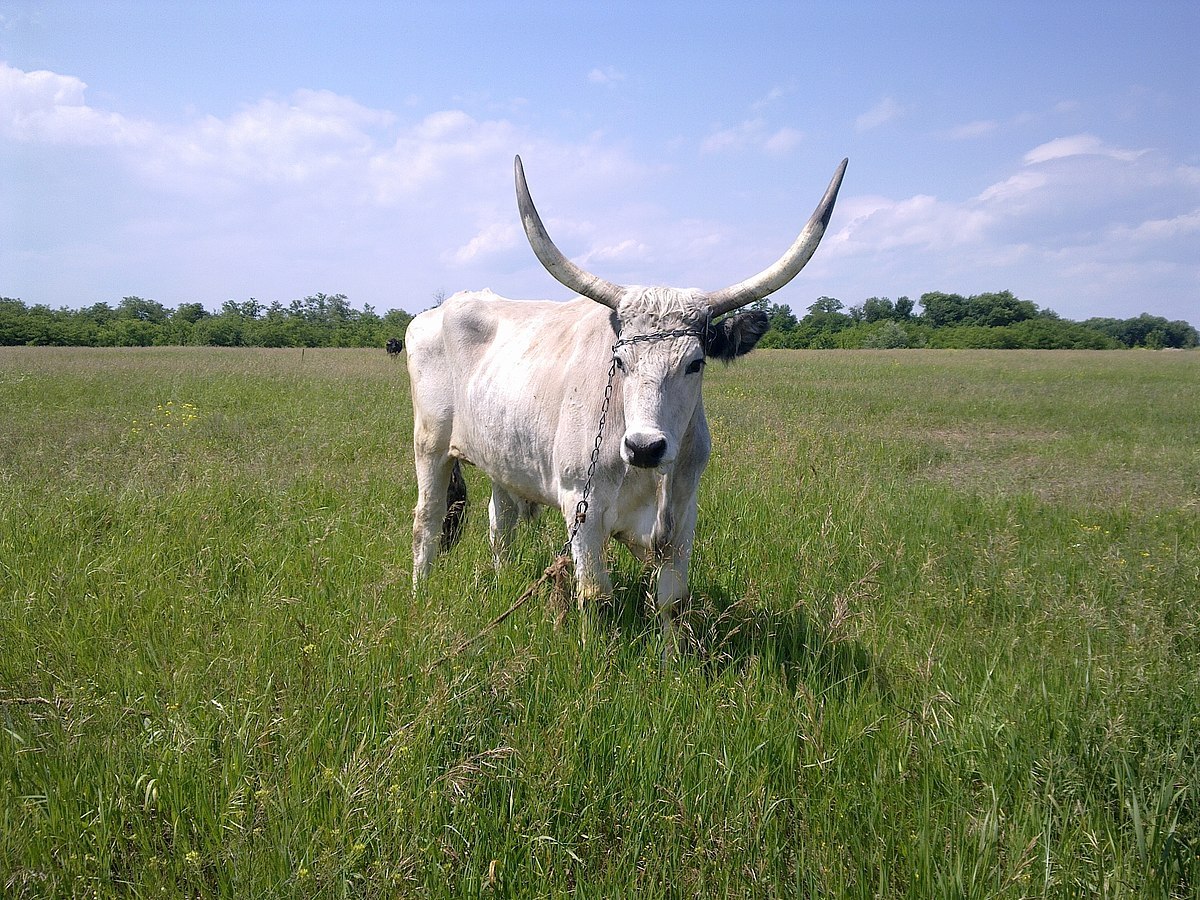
(724, 632)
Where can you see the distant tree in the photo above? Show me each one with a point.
(997, 309)
(1046, 333)
(130, 332)
(36, 325)
(826, 315)
(1153, 332)
(98, 313)
(191, 313)
(180, 320)
(887, 335)
(270, 332)
(141, 310)
(248, 309)
(781, 318)
(940, 309)
(395, 323)
(12, 322)
(826, 305)
(338, 308)
(781, 323)
(876, 308)
(223, 330)
(824, 320)
(298, 308)
(1180, 335)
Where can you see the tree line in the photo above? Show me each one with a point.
(984, 321)
(321, 320)
(998, 321)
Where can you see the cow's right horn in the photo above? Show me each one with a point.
(556, 264)
(789, 265)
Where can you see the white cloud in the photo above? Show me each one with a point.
(776, 93)
(881, 113)
(1189, 175)
(984, 127)
(605, 75)
(755, 132)
(920, 222)
(783, 141)
(429, 151)
(621, 252)
(312, 135)
(305, 138)
(1075, 204)
(493, 239)
(46, 107)
(1160, 229)
(737, 137)
(335, 146)
(752, 134)
(1078, 145)
(973, 129)
(1018, 185)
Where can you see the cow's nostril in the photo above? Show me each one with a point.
(645, 453)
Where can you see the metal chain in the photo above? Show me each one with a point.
(581, 508)
(661, 336)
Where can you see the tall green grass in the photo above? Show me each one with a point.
(944, 642)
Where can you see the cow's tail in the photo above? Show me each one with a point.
(456, 508)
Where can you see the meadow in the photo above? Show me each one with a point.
(944, 641)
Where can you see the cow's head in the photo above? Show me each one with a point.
(666, 335)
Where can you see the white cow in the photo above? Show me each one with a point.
(516, 388)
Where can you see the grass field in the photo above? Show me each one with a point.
(945, 642)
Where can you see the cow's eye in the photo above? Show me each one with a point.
(619, 363)
(695, 366)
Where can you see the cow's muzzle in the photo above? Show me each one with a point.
(646, 451)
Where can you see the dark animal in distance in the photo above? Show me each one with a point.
(393, 346)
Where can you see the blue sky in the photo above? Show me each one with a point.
(212, 151)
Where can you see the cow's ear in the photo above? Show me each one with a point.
(736, 335)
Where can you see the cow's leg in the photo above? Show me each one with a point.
(674, 559)
(434, 470)
(503, 512)
(587, 553)
(591, 575)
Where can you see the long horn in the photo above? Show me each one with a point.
(556, 264)
(770, 280)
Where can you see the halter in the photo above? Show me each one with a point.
(701, 333)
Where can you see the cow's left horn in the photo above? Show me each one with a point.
(556, 264)
(770, 280)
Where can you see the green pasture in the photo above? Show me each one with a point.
(944, 641)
